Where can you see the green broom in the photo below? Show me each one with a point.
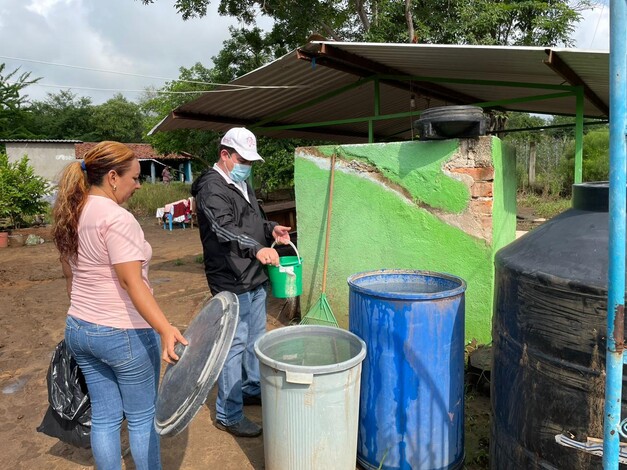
(320, 313)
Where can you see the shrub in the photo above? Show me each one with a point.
(596, 158)
(21, 191)
(150, 197)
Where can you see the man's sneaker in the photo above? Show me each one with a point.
(254, 400)
(245, 428)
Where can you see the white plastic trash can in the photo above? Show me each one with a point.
(310, 378)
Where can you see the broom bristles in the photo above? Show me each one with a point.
(320, 314)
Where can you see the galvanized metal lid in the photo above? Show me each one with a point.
(187, 383)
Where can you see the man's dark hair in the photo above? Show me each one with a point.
(227, 148)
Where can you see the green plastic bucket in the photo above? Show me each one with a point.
(287, 278)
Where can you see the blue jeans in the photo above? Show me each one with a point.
(121, 368)
(240, 375)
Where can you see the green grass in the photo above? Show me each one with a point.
(150, 197)
(545, 207)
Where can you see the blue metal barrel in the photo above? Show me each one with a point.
(411, 411)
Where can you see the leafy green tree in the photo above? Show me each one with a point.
(21, 191)
(525, 144)
(13, 117)
(517, 123)
(596, 158)
(520, 23)
(277, 171)
(596, 155)
(245, 51)
(63, 115)
(505, 22)
(156, 104)
(118, 119)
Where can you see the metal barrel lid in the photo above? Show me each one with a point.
(187, 383)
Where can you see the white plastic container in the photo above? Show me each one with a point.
(310, 378)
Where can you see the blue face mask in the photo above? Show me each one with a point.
(240, 172)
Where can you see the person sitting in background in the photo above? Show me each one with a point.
(166, 176)
(113, 318)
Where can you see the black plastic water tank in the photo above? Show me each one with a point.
(548, 371)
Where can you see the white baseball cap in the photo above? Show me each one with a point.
(244, 143)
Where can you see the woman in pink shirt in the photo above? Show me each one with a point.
(114, 329)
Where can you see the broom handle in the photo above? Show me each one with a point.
(328, 233)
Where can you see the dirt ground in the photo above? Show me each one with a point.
(33, 304)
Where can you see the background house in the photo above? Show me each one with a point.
(152, 163)
(49, 157)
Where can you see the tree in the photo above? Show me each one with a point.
(596, 155)
(22, 190)
(117, 119)
(277, 171)
(505, 22)
(596, 158)
(245, 51)
(12, 102)
(63, 115)
(158, 103)
(525, 144)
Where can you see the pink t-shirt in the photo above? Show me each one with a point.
(107, 234)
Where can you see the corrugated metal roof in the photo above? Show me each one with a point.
(433, 75)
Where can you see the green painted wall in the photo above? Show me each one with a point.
(386, 202)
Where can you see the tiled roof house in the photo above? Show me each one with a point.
(152, 163)
(48, 157)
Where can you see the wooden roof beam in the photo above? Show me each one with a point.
(560, 67)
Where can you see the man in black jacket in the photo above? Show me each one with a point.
(235, 238)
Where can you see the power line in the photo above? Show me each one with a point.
(90, 69)
(597, 26)
(241, 88)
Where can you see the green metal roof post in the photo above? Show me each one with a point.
(579, 137)
(377, 110)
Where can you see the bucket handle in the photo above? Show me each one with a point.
(300, 261)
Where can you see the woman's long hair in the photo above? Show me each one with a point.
(74, 186)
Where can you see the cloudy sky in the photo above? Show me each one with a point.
(114, 35)
(147, 40)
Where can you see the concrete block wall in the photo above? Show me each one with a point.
(47, 158)
(444, 206)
